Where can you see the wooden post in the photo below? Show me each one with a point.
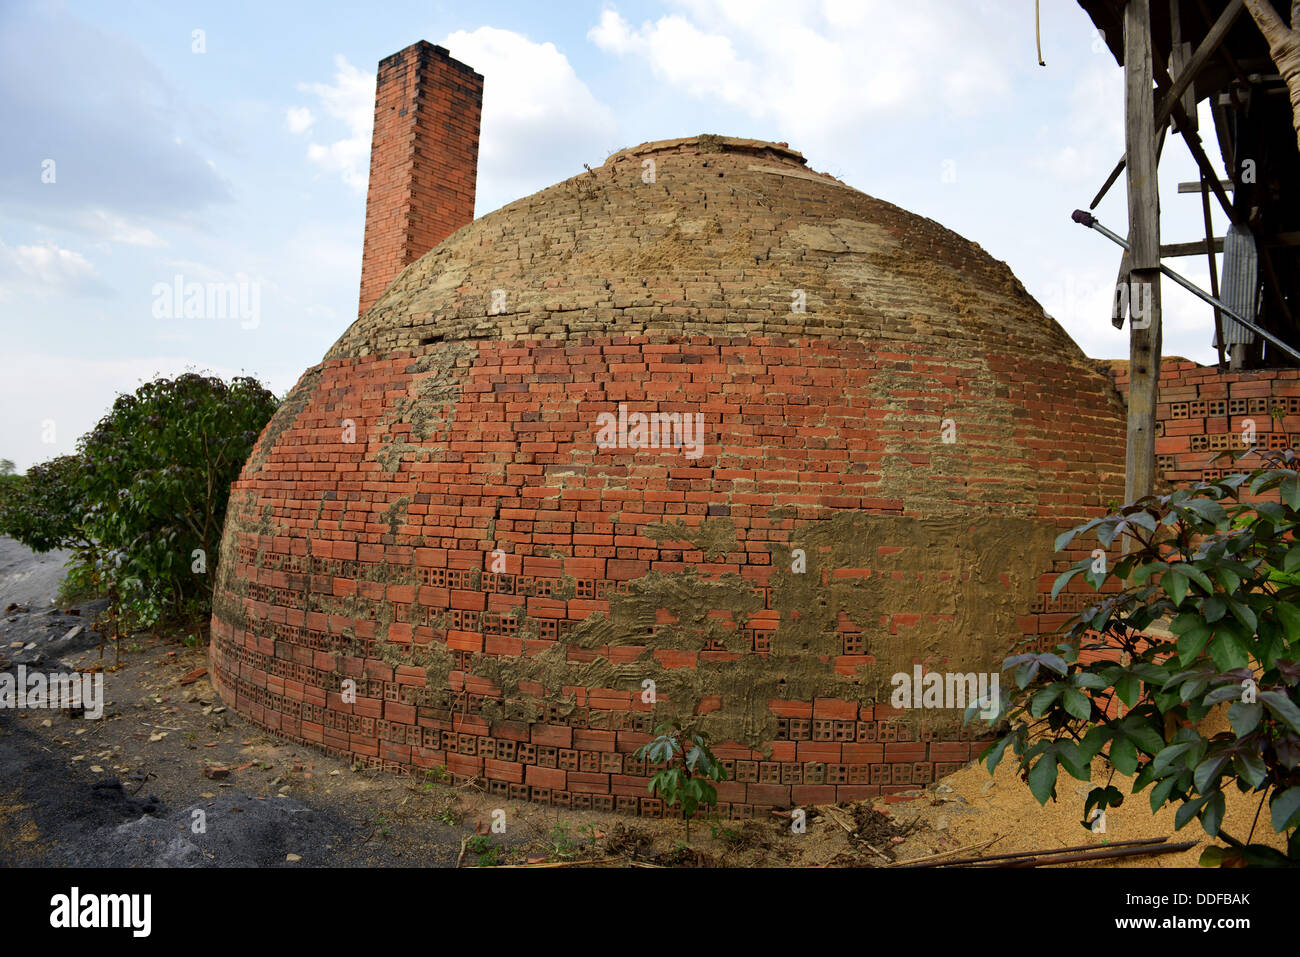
(1180, 54)
(1144, 246)
(1214, 269)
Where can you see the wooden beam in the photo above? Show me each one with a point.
(1140, 140)
(1194, 248)
(1198, 59)
(1197, 246)
(1221, 133)
(1193, 141)
(1180, 55)
(1144, 245)
(1223, 53)
(1200, 186)
(1214, 275)
(1125, 262)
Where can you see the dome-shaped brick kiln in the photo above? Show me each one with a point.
(696, 432)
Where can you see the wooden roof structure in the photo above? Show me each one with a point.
(1178, 54)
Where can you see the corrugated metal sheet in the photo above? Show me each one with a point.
(1240, 287)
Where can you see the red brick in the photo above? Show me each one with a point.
(552, 735)
(540, 777)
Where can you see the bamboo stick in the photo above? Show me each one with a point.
(1060, 850)
(918, 861)
(1107, 854)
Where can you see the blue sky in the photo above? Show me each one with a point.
(247, 161)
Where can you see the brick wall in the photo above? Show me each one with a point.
(1203, 412)
(423, 160)
(316, 594)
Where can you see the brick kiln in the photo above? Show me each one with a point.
(893, 433)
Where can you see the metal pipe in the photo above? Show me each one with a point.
(1085, 218)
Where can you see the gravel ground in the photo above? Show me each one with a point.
(27, 578)
(136, 788)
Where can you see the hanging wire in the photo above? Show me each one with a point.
(1038, 34)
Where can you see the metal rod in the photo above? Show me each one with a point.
(1085, 218)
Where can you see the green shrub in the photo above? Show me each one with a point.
(10, 486)
(156, 477)
(1217, 572)
(46, 508)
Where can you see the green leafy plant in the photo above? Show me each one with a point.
(561, 845)
(9, 486)
(155, 480)
(729, 835)
(143, 501)
(488, 854)
(46, 508)
(448, 816)
(689, 767)
(1200, 611)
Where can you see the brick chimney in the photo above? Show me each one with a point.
(423, 160)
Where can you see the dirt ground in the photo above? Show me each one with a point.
(170, 777)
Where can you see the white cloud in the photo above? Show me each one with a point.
(46, 268)
(350, 101)
(613, 34)
(86, 391)
(192, 270)
(821, 69)
(700, 63)
(119, 229)
(1080, 300)
(540, 121)
(48, 263)
(299, 119)
(1094, 117)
